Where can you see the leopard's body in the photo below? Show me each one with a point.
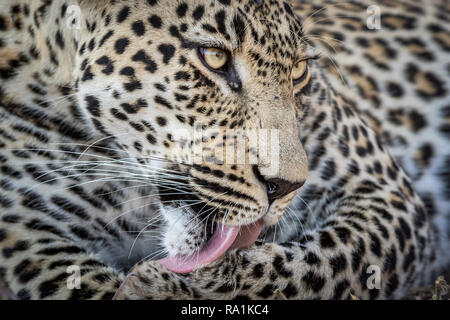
(90, 115)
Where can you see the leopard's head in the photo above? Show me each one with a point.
(202, 94)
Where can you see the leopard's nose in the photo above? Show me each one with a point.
(278, 188)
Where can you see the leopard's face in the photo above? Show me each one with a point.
(165, 77)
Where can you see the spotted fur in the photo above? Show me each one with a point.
(91, 116)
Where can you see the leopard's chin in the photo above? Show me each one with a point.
(223, 238)
(192, 240)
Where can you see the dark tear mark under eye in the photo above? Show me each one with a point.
(233, 79)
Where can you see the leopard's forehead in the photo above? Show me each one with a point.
(151, 43)
(266, 27)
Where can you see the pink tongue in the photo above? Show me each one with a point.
(224, 238)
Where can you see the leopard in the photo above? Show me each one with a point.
(116, 117)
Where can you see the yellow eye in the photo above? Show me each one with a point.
(215, 58)
(299, 70)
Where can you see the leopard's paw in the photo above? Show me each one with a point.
(151, 281)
